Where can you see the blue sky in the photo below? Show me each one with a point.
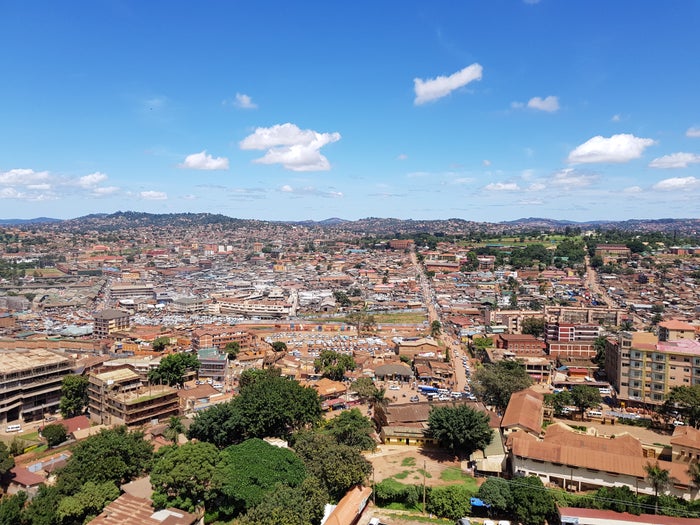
(484, 110)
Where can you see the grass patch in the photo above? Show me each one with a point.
(425, 473)
(401, 318)
(408, 462)
(455, 474)
(401, 475)
(419, 517)
(405, 507)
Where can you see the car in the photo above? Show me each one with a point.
(415, 399)
(678, 423)
(394, 387)
(463, 521)
(444, 397)
(48, 419)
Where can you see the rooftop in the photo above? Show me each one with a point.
(26, 359)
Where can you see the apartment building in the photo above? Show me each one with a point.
(601, 315)
(109, 321)
(212, 364)
(613, 252)
(30, 383)
(674, 329)
(570, 339)
(219, 338)
(118, 397)
(520, 344)
(643, 369)
(131, 291)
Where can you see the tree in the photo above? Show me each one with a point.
(302, 505)
(159, 343)
(585, 397)
(87, 503)
(627, 325)
(219, 425)
(532, 503)
(599, 346)
(619, 499)
(174, 429)
(496, 493)
(435, 328)
(54, 434)
(173, 368)
(364, 387)
(73, 395)
(232, 349)
(11, 508)
(121, 455)
(338, 467)
(6, 460)
(333, 365)
(495, 383)
(248, 472)
(351, 428)
(361, 320)
(533, 326)
(450, 502)
(279, 346)
(342, 298)
(42, 508)
(182, 476)
(684, 401)
(481, 343)
(558, 401)
(460, 429)
(694, 473)
(658, 478)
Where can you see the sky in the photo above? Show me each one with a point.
(484, 110)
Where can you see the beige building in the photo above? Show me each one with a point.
(30, 383)
(109, 321)
(643, 369)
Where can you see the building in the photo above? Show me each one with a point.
(210, 337)
(30, 383)
(118, 397)
(212, 364)
(600, 315)
(415, 347)
(570, 339)
(519, 344)
(132, 510)
(643, 369)
(131, 291)
(685, 445)
(612, 252)
(525, 412)
(673, 330)
(106, 322)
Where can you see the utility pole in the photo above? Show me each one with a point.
(423, 486)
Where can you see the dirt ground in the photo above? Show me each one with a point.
(409, 463)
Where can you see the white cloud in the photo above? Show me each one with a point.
(693, 132)
(572, 178)
(618, 148)
(549, 104)
(677, 183)
(402, 156)
(675, 160)
(244, 102)
(91, 180)
(486, 163)
(203, 161)
(438, 87)
(287, 189)
(10, 193)
(39, 187)
(536, 186)
(104, 191)
(616, 118)
(153, 195)
(502, 186)
(294, 148)
(633, 189)
(310, 190)
(23, 177)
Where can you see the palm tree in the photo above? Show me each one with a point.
(435, 328)
(659, 478)
(174, 429)
(378, 397)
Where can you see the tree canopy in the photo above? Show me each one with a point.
(285, 505)
(496, 382)
(533, 504)
(333, 365)
(54, 434)
(533, 326)
(585, 397)
(685, 401)
(460, 429)
(351, 428)
(173, 368)
(73, 395)
(496, 492)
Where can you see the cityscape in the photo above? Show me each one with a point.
(358, 263)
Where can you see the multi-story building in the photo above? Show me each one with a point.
(30, 383)
(109, 321)
(612, 252)
(520, 344)
(601, 315)
(674, 329)
(118, 397)
(569, 339)
(220, 337)
(643, 369)
(212, 364)
(130, 291)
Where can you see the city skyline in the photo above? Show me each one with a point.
(486, 111)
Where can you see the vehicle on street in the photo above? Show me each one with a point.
(415, 399)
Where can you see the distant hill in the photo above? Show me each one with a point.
(18, 222)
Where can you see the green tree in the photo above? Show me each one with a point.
(54, 434)
(659, 478)
(496, 492)
(460, 429)
(558, 401)
(232, 349)
(6, 460)
(362, 320)
(684, 400)
(87, 503)
(333, 365)
(481, 343)
(247, 473)
(11, 508)
(42, 508)
(599, 346)
(619, 499)
(174, 429)
(159, 343)
(219, 425)
(284, 505)
(121, 455)
(73, 395)
(585, 397)
(338, 467)
(496, 382)
(173, 368)
(351, 428)
(694, 473)
(341, 298)
(364, 387)
(279, 346)
(532, 503)
(182, 476)
(450, 502)
(435, 328)
(533, 326)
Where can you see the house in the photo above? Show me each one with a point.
(685, 444)
(582, 516)
(24, 480)
(520, 344)
(350, 508)
(524, 412)
(131, 510)
(414, 347)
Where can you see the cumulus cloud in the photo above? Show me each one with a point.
(502, 186)
(677, 183)
(693, 132)
(294, 148)
(675, 160)
(244, 102)
(153, 195)
(632, 189)
(204, 161)
(549, 104)
(91, 180)
(536, 186)
(310, 190)
(23, 177)
(438, 87)
(104, 191)
(618, 148)
(572, 178)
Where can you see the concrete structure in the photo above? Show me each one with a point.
(571, 340)
(30, 383)
(519, 344)
(674, 330)
(414, 347)
(212, 364)
(109, 321)
(643, 369)
(601, 315)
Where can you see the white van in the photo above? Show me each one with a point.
(595, 413)
(443, 391)
(13, 428)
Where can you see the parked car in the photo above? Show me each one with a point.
(415, 399)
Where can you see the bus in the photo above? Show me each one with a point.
(427, 389)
